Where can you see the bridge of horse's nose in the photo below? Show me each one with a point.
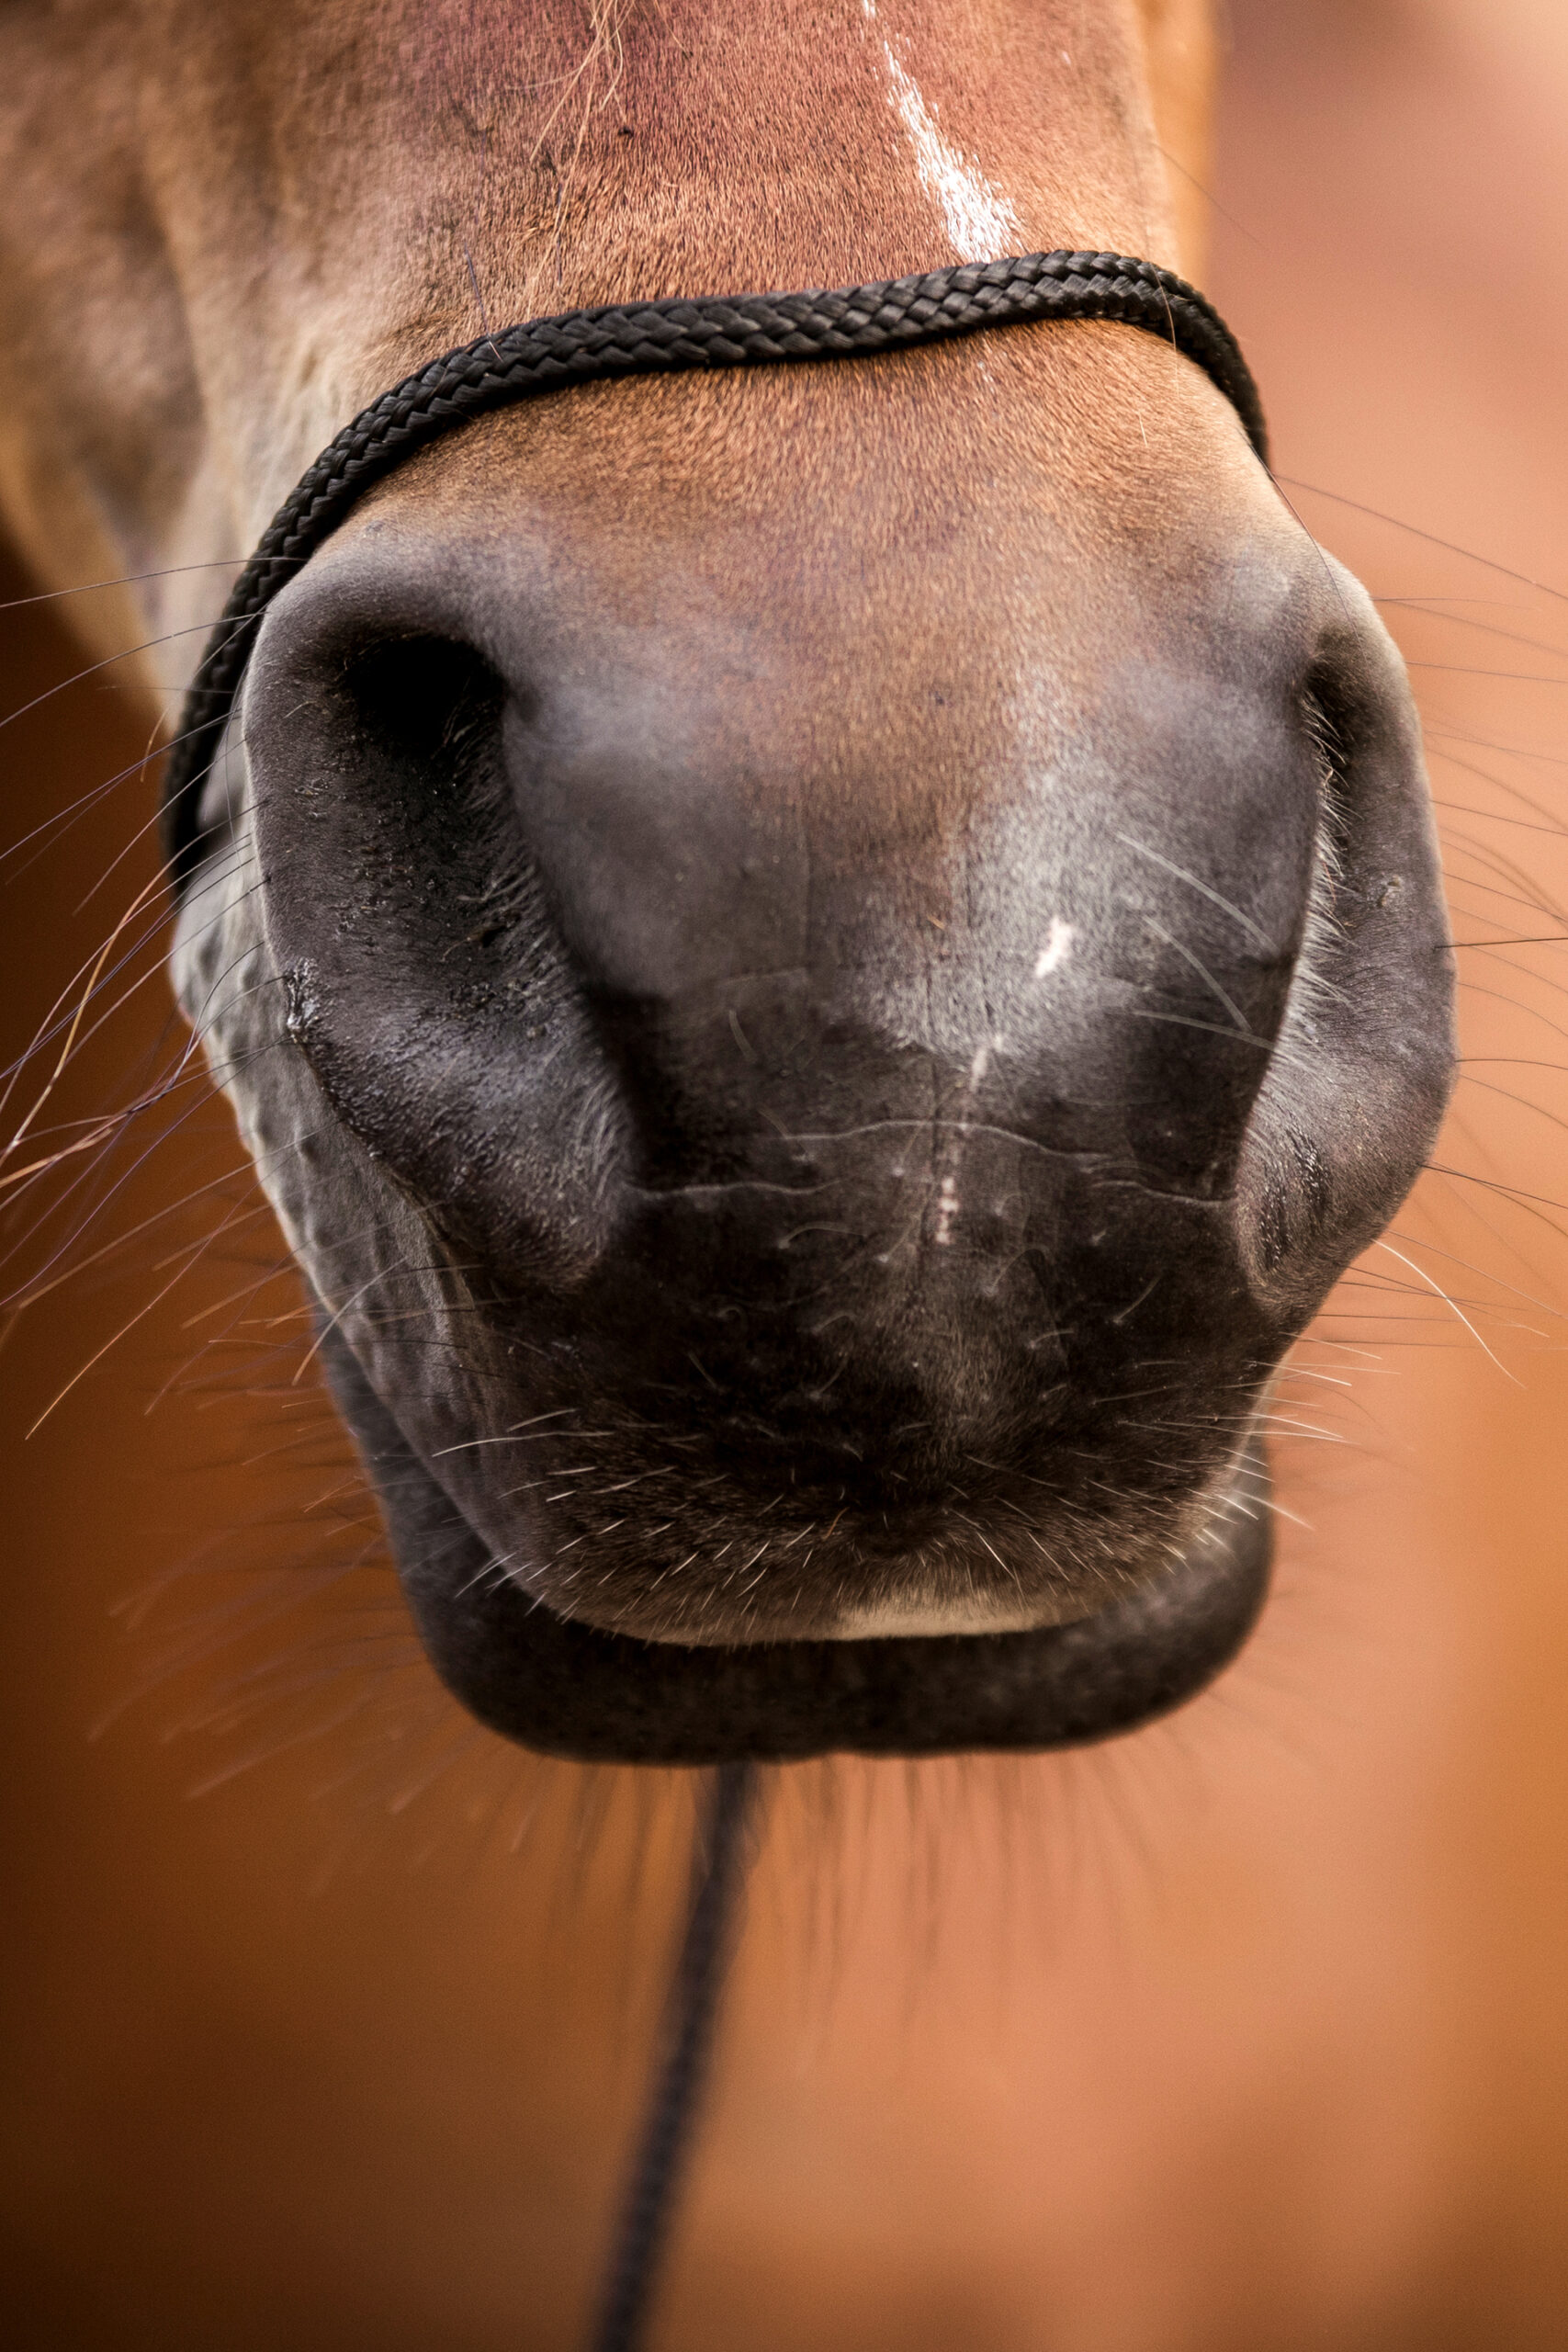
(797, 902)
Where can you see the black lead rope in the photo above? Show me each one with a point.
(718, 1874)
(665, 338)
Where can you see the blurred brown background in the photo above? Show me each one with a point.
(1247, 2035)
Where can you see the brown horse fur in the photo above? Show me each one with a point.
(225, 230)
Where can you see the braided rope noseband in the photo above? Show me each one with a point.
(666, 338)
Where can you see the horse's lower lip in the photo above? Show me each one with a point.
(569, 1689)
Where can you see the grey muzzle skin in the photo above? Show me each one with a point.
(569, 1689)
(841, 1268)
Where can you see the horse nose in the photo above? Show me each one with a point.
(568, 905)
(863, 1055)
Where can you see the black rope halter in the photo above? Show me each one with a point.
(666, 338)
(587, 346)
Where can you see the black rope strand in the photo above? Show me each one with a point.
(718, 1875)
(663, 338)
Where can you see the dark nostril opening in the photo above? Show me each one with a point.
(423, 699)
(1334, 711)
(428, 989)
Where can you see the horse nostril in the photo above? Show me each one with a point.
(1357, 1083)
(421, 700)
(428, 990)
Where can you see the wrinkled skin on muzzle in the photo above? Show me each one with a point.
(818, 1031)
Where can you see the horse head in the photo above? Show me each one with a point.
(824, 965)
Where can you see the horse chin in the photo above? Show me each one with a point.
(567, 1689)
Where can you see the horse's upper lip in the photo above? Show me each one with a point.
(574, 1691)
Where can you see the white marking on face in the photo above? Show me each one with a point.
(981, 224)
(947, 1207)
(1058, 948)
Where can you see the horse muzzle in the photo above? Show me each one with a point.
(874, 1106)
